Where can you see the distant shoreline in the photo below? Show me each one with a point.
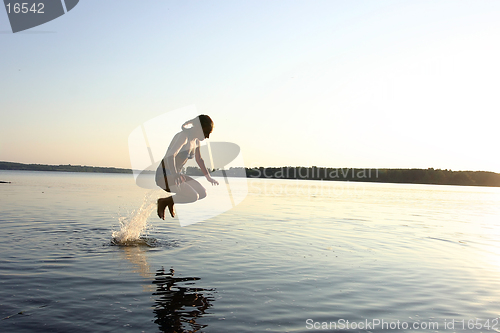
(63, 168)
(409, 176)
(429, 176)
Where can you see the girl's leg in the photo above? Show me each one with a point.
(163, 203)
(188, 191)
(185, 193)
(202, 193)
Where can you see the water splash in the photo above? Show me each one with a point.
(135, 223)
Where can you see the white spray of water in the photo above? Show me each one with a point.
(135, 223)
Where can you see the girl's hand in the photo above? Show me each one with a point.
(213, 181)
(179, 179)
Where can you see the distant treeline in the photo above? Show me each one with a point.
(412, 176)
(66, 168)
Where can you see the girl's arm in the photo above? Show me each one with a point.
(201, 163)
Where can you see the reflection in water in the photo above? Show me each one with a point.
(178, 303)
(136, 255)
(178, 306)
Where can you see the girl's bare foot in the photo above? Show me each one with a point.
(171, 208)
(162, 204)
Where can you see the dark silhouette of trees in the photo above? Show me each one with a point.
(413, 176)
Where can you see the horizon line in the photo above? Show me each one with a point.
(283, 166)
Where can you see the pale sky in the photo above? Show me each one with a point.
(375, 84)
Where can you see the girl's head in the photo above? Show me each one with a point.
(202, 122)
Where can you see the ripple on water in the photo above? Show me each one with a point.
(144, 241)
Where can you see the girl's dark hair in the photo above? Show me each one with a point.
(207, 125)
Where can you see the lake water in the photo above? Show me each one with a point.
(294, 256)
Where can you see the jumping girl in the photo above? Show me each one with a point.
(184, 146)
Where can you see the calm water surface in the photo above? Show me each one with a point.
(293, 256)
